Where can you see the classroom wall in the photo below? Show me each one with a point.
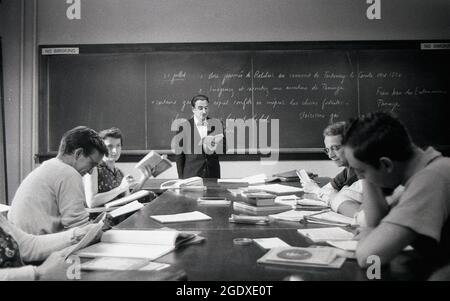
(28, 23)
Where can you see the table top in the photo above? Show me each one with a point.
(218, 259)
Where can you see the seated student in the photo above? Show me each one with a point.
(51, 198)
(380, 150)
(344, 192)
(17, 247)
(107, 182)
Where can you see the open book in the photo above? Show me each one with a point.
(88, 239)
(157, 163)
(211, 141)
(194, 182)
(127, 199)
(148, 244)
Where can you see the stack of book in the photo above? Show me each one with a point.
(259, 202)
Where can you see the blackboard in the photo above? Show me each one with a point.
(143, 88)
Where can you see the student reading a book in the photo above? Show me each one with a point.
(18, 248)
(383, 155)
(107, 182)
(51, 198)
(344, 193)
(198, 143)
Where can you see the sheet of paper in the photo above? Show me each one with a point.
(130, 207)
(270, 243)
(181, 217)
(326, 234)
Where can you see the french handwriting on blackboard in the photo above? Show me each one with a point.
(143, 92)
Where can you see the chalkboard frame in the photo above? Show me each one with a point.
(134, 155)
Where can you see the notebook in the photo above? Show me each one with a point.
(181, 217)
(303, 257)
(326, 234)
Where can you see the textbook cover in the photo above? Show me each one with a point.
(157, 163)
(303, 257)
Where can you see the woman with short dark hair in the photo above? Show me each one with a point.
(107, 182)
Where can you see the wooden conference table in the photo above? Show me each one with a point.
(218, 259)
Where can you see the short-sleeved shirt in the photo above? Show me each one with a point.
(424, 207)
(50, 199)
(345, 178)
(109, 179)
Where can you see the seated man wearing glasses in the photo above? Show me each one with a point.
(344, 193)
(51, 198)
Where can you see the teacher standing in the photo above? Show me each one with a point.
(201, 140)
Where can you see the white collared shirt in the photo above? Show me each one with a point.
(202, 129)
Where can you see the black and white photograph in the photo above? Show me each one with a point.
(224, 147)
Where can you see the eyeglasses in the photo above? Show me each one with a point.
(333, 148)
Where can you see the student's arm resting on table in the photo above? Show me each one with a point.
(95, 199)
(385, 241)
(326, 193)
(348, 200)
(422, 210)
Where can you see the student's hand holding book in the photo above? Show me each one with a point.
(309, 186)
(80, 232)
(128, 182)
(55, 267)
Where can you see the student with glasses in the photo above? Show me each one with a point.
(343, 194)
(51, 198)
